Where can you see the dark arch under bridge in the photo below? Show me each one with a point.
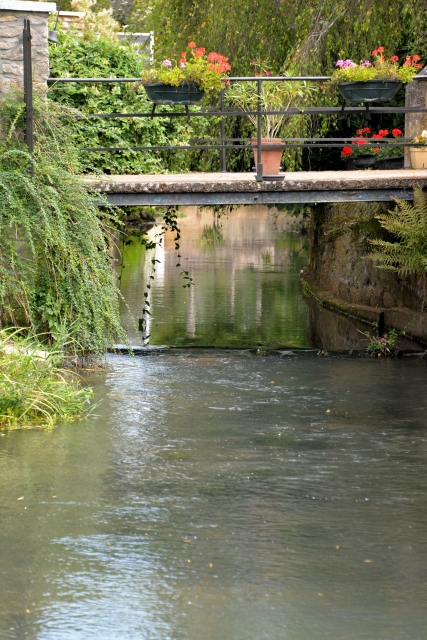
(203, 189)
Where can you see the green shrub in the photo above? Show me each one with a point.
(55, 267)
(74, 56)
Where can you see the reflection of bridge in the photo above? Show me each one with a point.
(243, 188)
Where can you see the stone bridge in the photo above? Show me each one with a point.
(242, 188)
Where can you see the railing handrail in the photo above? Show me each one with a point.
(225, 80)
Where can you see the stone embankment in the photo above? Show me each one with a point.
(342, 277)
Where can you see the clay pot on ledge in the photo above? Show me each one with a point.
(271, 158)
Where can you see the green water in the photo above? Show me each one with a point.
(245, 268)
(218, 494)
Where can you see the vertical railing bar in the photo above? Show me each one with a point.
(28, 86)
(259, 121)
(223, 152)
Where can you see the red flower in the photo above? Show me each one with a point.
(366, 130)
(376, 136)
(396, 132)
(347, 151)
(394, 59)
(375, 52)
(376, 150)
(415, 58)
(183, 61)
(380, 49)
(383, 132)
(418, 66)
(200, 52)
(183, 54)
(191, 45)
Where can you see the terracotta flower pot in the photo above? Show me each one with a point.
(418, 158)
(270, 158)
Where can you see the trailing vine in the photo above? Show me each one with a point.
(170, 223)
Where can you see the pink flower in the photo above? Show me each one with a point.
(366, 64)
(167, 63)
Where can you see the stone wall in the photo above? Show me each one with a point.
(12, 14)
(343, 278)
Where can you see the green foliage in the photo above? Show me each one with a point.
(55, 267)
(385, 345)
(313, 35)
(33, 390)
(102, 57)
(408, 225)
(274, 96)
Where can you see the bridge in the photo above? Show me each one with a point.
(244, 188)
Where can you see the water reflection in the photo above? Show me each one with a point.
(246, 292)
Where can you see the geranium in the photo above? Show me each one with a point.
(361, 145)
(193, 67)
(379, 69)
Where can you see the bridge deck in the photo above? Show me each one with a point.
(242, 188)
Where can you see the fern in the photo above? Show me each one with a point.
(408, 224)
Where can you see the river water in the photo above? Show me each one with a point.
(224, 494)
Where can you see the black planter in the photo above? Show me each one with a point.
(370, 91)
(366, 162)
(160, 93)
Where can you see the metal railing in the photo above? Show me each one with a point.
(222, 143)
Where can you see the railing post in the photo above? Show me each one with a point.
(223, 152)
(28, 86)
(259, 122)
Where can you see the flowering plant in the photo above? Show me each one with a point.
(364, 137)
(379, 69)
(194, 66)
(421, 139)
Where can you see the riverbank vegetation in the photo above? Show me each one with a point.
(35, 390)
(55, 266)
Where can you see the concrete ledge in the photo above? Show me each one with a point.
(28, 7)
(246, 182)
(413, 323)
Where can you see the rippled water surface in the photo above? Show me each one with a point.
(223, 495)
(207, 502)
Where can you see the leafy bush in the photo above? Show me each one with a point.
(55, 268)
(74, 57)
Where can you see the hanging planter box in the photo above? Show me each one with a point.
(370, 91)
(366, 162)
(160, 93)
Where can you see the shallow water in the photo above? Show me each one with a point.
(218, 494)
(207, 502)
